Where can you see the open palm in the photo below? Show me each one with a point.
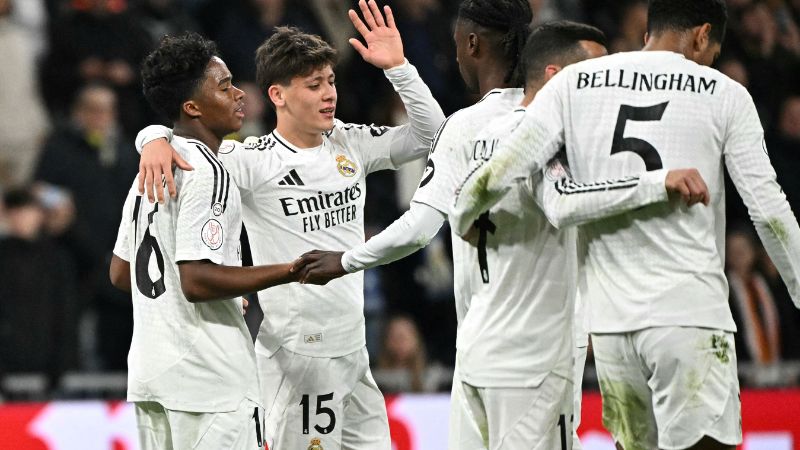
(384, 47)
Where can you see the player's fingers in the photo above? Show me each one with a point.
(367, 15)
(376, 13)
(142, 175)
(148, 184)
(703, 189)
(159, 186)
(357, 23)
(683, 189)
(359, 47)
(696, 189)
(173, 191)
(389, 17)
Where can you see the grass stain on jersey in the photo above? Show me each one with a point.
(778, 229)
(626, 415)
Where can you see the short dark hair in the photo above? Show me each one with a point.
(511, 19)
(682, 15)
(289, 53)
(173, 72)
(556, 42)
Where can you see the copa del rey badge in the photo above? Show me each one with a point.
(316, 444)
(345, 166)
(212, 234)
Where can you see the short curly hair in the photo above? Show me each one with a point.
(289, 53)
(174, 71)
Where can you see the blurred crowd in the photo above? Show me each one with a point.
(71, 102)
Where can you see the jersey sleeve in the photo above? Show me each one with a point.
(390, 147)
(243, 166)
(202, 216)
(150, 133)
(444, 169)
(411, 232)
(566, 202)
(751, 172)
(122, 247)
(530, 145)
(251, 164)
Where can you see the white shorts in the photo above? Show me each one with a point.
(463, 433)
(579, 364)
(165, 429)
(537, 418)
(667, 387)
(325, 403)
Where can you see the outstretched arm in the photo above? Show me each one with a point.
(384, 49)
(204, 281)
(411, 232)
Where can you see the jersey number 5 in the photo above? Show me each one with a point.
(648, 153)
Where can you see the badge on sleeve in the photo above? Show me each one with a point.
(212, 234)
(227, 147)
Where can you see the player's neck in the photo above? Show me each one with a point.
(297, 137)
(492, 78)
(194, 130)
(680, 43)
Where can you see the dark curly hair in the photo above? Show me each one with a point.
(511, 19)
(289, 53)
(174, 71)
(682, 15)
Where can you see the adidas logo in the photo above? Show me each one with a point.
(293, 179)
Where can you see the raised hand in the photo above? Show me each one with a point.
(155, 165)
(384, 47)
(318, 267)
(689, 184)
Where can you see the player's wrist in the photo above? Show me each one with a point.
(398, 68)
(347, 263)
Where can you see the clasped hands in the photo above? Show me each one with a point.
(318, 267)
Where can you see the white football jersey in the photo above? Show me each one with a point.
(296, 200)
(447, 166)
(519, 326)
(661, 265)
(186, 356)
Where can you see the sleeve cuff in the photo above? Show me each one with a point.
(347, 263)
(654, 183)
(403, 71)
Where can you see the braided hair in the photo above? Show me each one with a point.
(511, 19)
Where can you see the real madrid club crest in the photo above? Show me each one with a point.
(316, 444)
(345, 166)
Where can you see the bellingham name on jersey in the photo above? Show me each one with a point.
(641, 81)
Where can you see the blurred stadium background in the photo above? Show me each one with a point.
(70, 104)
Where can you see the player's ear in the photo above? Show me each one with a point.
(473, 44)
(702, 37)
(191, 109)
(550, 71)
(277, 95)
(646, 37)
